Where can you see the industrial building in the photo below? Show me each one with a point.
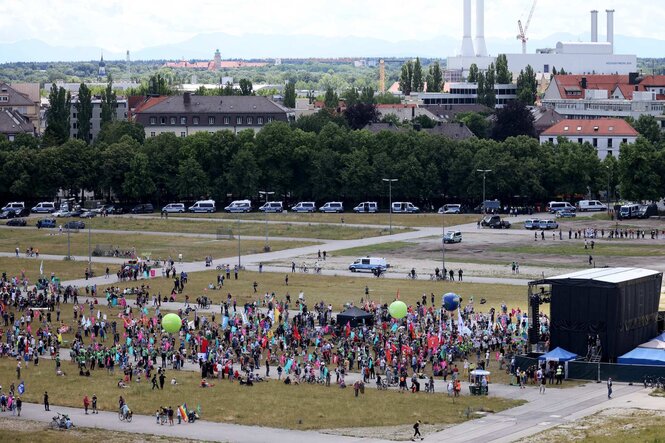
(575, 57)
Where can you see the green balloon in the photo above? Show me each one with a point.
(397, 309)
(171, 323)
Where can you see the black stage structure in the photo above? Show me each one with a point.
(618, 306)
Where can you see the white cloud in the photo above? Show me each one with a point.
(124, 24)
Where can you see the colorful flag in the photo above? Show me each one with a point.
(41, 268)
(21, 388)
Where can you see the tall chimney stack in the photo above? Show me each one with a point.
(481, 48)
(467, 43)
(594, 26)
(610, 27)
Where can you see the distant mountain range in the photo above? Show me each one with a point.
(202, 46)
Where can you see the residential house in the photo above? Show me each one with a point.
(13, 123)
(121, 113)
(187, 114)
(606, 134)
(13, 99)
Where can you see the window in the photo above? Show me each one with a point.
(595, 142)
(269, 119)
(74, 125)
(211, 120)
(182, 134)
(153, 120)
(173, 120)
(580, 141)
(162, 120)
(610, 154)
(195, 120)
(4, 98)
(238, 120)
(609, 142)
(259, 120)
(74, 115)
(227, 120)
(250, 120)
(183, 120)
(551, 140)
(625, 140)
(152, 134)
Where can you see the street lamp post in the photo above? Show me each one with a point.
(609, 176)
(89, 250)
(484, 171)
(390, 203)
(266, 248)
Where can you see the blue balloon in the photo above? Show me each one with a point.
(450, 301)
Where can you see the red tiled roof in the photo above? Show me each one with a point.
(396, 106)
(147, 103)
(573, 128)
(606, 82)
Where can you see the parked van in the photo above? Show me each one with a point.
(591, 205)
(16, 207)
(171, 208)
(450, 209)
(43, 208)
(548, 224)
(332, 207)
(488, 207)
(239, 206)
(368, 207)
(272, 207)
(203, 206)
(531, 223)
(304, 207)
(405, 208)
(452, 237)
(629, 211)
(554, 207)
(368, 264)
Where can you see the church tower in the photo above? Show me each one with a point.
(218, 60)
(102, 69)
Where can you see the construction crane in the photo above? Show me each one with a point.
(523, 30)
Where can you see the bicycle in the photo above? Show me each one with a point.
(434, 277)
(412, 276)
(125, 416)
(304, 269)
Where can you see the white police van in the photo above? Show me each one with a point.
(368, 264)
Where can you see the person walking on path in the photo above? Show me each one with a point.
(609, 388)
(94, 404)
(46, 405)
(86, 404)
(19, 405)
(416, 431)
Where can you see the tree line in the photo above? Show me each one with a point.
(321, 157)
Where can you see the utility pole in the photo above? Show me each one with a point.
(266, 248)
(484, 171)
(390, 203)
(238, 220)
(443, 238)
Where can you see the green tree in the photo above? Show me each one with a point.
(109, 104)
(114, 131)
(406, 78)
(638, 171)
(246, 87)
(476, 122)
(489, 94)
(138, 183)
(527, 86)
(512, 120)
(503, 74)
(424, 122)
(367, 96)
(290, 95)
(435, 78)
(57, 117)
(360, 114)
(387, 98)
(481, 89)
(84, 113)
(192, 181)
(418, 83)
(351, 96)
(331, 100)
(648, 127)
(473, 73)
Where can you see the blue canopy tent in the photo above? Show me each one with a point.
(558, 354)
(644, 356)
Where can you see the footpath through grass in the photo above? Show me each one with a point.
(602, 248)
(192, 248)
(337, 290)
(269, 403)
(408, 220)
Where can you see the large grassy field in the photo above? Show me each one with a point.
(229, 225)
(409, 220)
(63, 269)
(603, 248)
(339, 290)
(267, 404)
(192, 249)
(29, 431)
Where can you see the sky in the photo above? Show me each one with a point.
(135, 24)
